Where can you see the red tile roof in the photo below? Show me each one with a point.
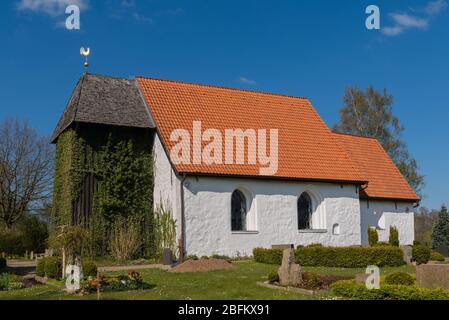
(384, 179)
(307, 148)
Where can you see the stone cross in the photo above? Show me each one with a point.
(289, 272)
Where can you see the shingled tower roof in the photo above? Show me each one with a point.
(105, 100)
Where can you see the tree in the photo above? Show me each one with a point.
(393, 238)
(373, 236)
(26, 168)
(34, 234)
(424, 221)
(370, 113)
(440, 231)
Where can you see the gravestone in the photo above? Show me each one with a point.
(167, 257)
(289, 272)
(433, 276)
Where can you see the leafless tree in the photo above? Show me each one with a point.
(26, 169)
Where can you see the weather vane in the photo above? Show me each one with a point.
(85, 53)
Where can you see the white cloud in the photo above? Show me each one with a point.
(435, 7)
(392, 31)
(141, 18)
(408, 21)
(405, 21)
(128, 3)
(50, 7)
(245, 80)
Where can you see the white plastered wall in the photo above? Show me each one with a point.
(383, 214)
(167, 188)
(208, 215)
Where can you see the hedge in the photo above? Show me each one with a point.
(421, 254)
(51, 267)
(90, 269)
(342, 257)
(40, 267)
(353, 290)
(436, 256)
(400, 278)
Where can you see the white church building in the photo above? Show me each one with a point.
(285, 177)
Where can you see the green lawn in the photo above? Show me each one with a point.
(237, 284)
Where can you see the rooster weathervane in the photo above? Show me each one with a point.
(85, 53)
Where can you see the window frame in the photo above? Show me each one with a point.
(309, 224)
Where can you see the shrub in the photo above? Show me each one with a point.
(350, 257)
(394, 236)
(314, 245)
(53, 267)
(273, 276)
(373, 237)
(34, 234)
(270, 256)
(192, 257)
(90, 269)
(382, 244)
(70, 238)
(343, 257)
(122, 282)
(2, 263)
(400, 278)
(436, 256)
(10, 282)
(421, 254)
(354, 290)
(125, 241)
(40, 267)
(11, 242)
(164, 229)
(311, 280)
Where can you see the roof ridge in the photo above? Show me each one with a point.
(106, 76)
(76, 106)
(354, 135)
(225, 88)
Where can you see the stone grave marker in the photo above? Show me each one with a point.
(289, 272)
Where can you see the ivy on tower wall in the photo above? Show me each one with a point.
(120, 161)
(69, 166)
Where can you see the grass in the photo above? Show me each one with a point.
(109, 261)
(236, 284)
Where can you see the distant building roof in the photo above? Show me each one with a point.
(105, 100)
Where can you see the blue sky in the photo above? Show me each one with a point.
(304, 48)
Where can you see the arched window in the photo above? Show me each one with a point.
(305, 210)
(238, 211)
